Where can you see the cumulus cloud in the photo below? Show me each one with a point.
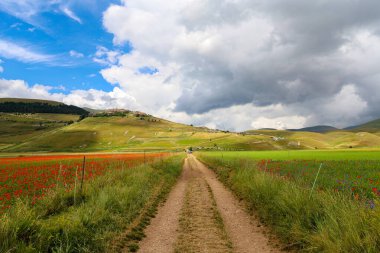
(92, 98)
(315, 59)
(105, 56)
(152, 91)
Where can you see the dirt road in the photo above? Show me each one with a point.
(201, 215)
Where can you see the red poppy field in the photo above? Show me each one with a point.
(33, 176)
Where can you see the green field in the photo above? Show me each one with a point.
(315, 201)
(369, 154)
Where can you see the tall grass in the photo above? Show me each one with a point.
(325, 222)
(108, 205)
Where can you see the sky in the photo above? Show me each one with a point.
(226, 64)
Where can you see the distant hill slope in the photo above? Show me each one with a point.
(16, 128)
(123, 130)
(134, 132)
(315, 129)
(17, 105)
(372, 126)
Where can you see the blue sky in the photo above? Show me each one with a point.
(65, 39)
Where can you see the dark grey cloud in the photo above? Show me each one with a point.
(302, 64)
(309, 62)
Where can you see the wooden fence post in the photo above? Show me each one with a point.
(82, 179)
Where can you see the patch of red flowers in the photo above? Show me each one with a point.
(33, 176)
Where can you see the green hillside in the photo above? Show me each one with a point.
(316, 129)
(16, 128)
(123, 130)
(372, 126)
(134, 133)
(312, 140)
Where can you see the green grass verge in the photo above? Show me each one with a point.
(324, 222)
(93, 222)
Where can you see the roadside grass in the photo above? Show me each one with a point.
(94, 220)
(324, 221)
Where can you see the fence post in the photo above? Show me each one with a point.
(75, 184)
(59, 173)
(82, 179)
(315, 180)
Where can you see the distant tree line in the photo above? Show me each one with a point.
(39, 107)
(110, 114)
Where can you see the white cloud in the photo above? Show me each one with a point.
(22, 9)
(76, 54)
(240, 117)
(71, 15)
(1, 69)
(215, 56)
(96, 99)
(21, 53)
(105, 56)
(346, 106)
(280, 123)
(29, 10)
(16, 26)
(151, 91)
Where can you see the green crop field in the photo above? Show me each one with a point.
(318, 201)
(355, 172)
(365, 154)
